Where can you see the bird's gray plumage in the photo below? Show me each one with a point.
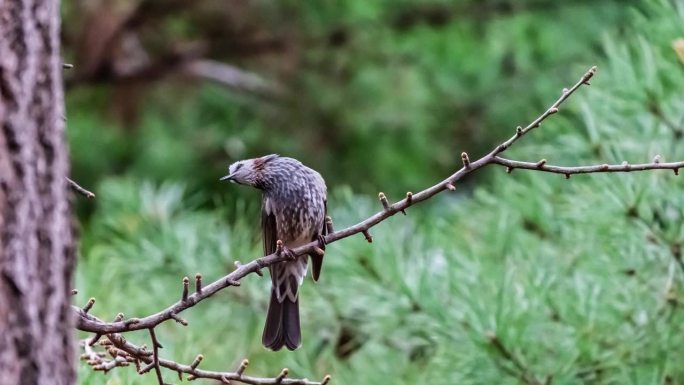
(293, 210)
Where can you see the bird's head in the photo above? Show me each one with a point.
(249, 171)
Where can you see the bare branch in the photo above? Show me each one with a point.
(231, 77)
(79, 189)
(124, 352)
(624, 167)
(155, 356)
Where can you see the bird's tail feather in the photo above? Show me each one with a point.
(282, 324)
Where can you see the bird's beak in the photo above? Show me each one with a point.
(228, 177)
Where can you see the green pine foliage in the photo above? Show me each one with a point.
(525, 278)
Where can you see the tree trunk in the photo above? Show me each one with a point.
(36, 244)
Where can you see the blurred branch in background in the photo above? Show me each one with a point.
(88, 323)
(231, 77)
(76, 187)
(336, 80)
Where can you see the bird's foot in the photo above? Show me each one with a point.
(321, 241)
(289, 254)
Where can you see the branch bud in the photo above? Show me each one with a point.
(197, 361)
(656, 159)
(119, 317)
(588, 75)
(198, 283)
(282, 375)
(409, 198)
(450, 186)
(186, 285)
(74, 291)
(89, 305)
(243, 365)
(518, 131)
(465, 159)
(326, 379)
(553, 110)
(179, 320)
(383, 200)
(676, 171)
(541, 163)
(509, 170)
(368, 237)
(279, 247)
(567, 176)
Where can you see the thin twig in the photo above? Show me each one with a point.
(232, 77)
(145, 357)
(124, 353)
(79, 189)
(155, 356)
(624, 167)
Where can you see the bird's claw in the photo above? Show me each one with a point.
(321, 241)
(289, 254)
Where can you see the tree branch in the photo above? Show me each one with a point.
(231, 77)
(124, 353)
(624, 167)
(79, 189)
(89, 323)
(155, 356)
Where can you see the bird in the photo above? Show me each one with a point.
(293, 211)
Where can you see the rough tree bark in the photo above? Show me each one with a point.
(36, 244)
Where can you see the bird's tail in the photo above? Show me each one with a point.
(282, 324)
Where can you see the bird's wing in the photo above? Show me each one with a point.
(317, 260)
(269, 230)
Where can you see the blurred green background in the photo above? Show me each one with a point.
(525, 278)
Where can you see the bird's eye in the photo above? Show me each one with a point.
(238, 166)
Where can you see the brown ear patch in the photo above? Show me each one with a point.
(260, 163)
